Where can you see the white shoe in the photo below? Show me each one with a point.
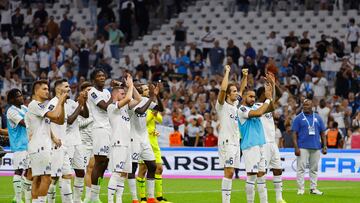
(300, 192)
(316, 192)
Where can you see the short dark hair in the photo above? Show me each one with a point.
(85, 85)
(176, 128)
(57, 83)
(335, 124)
(95, 72)
(11, 95)
(352, 20)
(36, 84)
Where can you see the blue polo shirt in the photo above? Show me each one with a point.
(301, 126)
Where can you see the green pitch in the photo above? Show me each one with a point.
(209, 191)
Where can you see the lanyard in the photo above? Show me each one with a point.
(313, 121)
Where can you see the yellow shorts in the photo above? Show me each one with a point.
(156, 149)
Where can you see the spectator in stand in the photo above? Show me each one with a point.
(84, 64)
(356, 121)
(207, 40)
(320, 85)
(243, 5)
(272, 44)
(290, 39)
(261, 61)
(235, 72)
(182, 63)
(343, 83)
(323, 111)
(249, 51)
(54, 73)
(6, 19)
(31, 60)
(44, 59)
(142, 70)
(338, 114)
(353, 140)
(286, 138)
(5, 43)
(102, 49)
(180, 36)
(167, 59)
(41, 14)
(305, 43)
(211, 139)
(193, 52)
(142, 16)
(115, 37)
(334, 136)
(17, 22)
(175, 138)
(194, 133)
(216, 56)
(307, 87)
(354, 103)
(197, 67)
(126, 16)
(53, 29)
(233, 51)
(321, 46)
(66, 28)
(353, 34)
(178, 117)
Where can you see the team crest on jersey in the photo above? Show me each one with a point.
(268, 115)
(51, 107)
(42, 106)
(234, 117)
(243, 109)
(93, 95)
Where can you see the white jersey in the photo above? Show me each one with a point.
(38, 127)
(229, 131)
(268, 124)
(58, 130)
(138, 121)
(85, 127)
(100, 117)
(72, 131)
(120, 124)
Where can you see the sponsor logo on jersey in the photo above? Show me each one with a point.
(51, 107)
(243, 109)
(93, 95)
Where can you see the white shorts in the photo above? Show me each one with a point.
(229, 156)
(254, 159)
(88, 153)
(272, 156)
(60, 162)
(142, 150)
(20, 160)
(76, 156)
(101, 141)
(120, 159)
(40, 163)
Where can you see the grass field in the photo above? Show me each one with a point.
(208, 191)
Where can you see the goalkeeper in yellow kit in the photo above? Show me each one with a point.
(153, 117)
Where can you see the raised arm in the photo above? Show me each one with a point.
(263, 109)
(129, 93)
(243, 83)
(58, 114)
(224, 84)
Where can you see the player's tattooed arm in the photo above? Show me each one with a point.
(224, 84)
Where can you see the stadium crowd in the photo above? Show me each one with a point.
(37, 46)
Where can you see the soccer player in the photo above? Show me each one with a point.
(229, 134)
(272, 154)
(85, 126)
(37, 120)
(99, 100)
(152, 118)
(120, 148)
(252, 142)
(18, 143)
(74, 145)
(60, 162)
(141, 147)
(309, 138)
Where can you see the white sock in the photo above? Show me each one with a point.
(78, 189)
(95, 191)
(27, 190)
(250, 188)
(261, 184)
(132, 186)
(35, 201)
(17, 183)
(42, 199)
(278, 187)
(51, 192)
(226, 190)
(112, 186)
(120, 189)
(66, 190)
(88, 193)
(150, 186)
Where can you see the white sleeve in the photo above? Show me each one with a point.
(94, 97)
(38, 109)
(152, 105)
(243, 112)
(218, 106)
(14, 116)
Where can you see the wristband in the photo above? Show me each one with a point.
(267, 101)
